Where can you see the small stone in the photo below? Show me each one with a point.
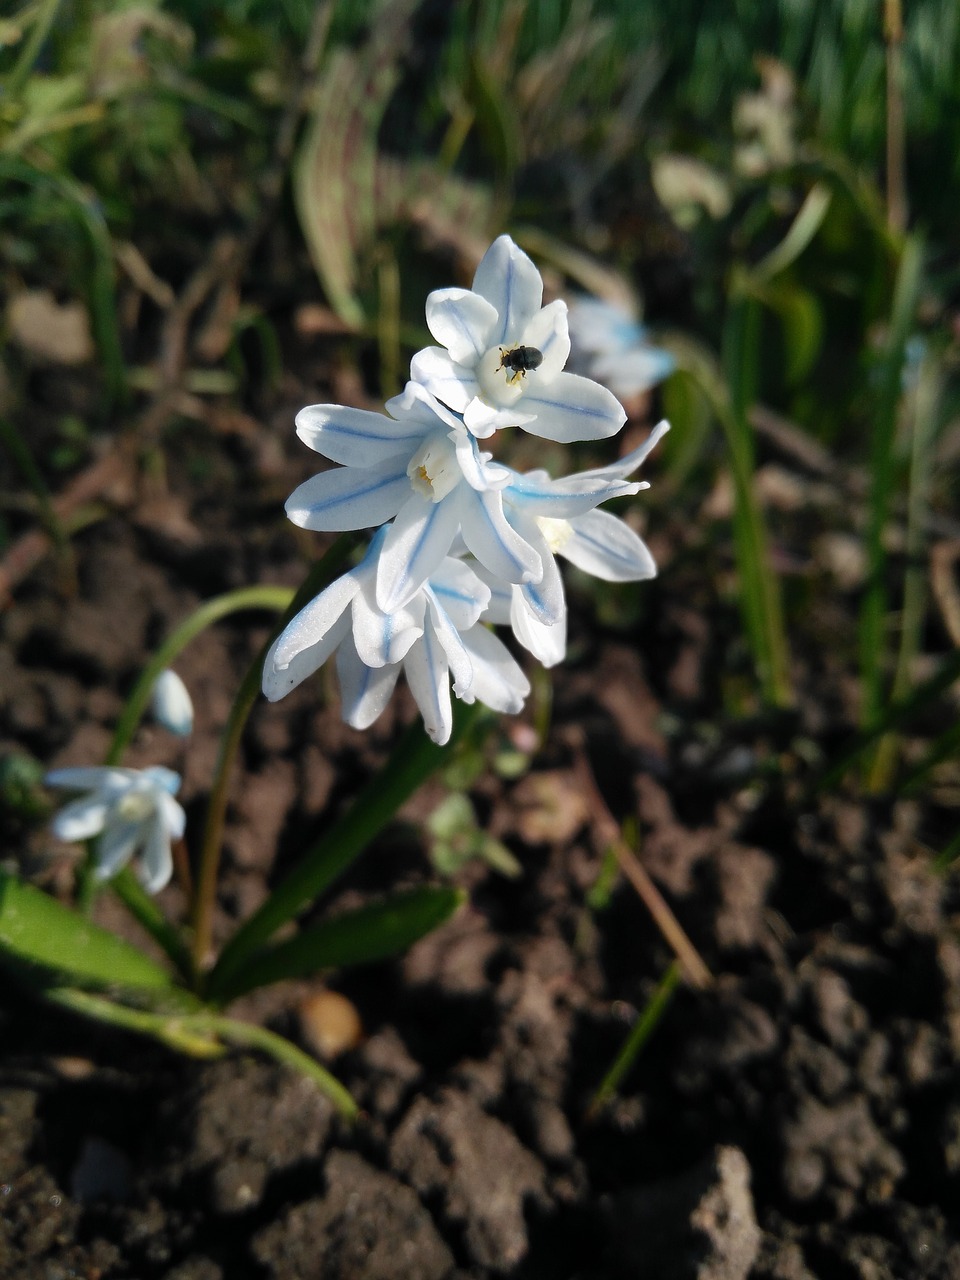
(329, 1023)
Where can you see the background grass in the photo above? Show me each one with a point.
(728, 163)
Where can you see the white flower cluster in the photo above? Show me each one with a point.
(462, 541)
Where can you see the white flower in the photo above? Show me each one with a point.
(559, 517)
(132, 812)
(611, 346)
(172, 706)
(432, 638)
(421, 468)
(501, 357)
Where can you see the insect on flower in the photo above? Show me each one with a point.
(519, 361)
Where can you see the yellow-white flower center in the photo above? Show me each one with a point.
(556, 532)
(135, 806)
(499, 384)
(434, 470)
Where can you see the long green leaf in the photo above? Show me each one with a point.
(357, 937)
(873, 610)
(39, 932)
(414, 759)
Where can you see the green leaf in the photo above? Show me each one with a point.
(41, 933)
(413, 760)
(356, 937)
(802, 230)
(802, 321)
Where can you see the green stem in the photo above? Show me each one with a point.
(265, 597)
(31, 50)
(205, 894)
(201, 1035)
(149, 916)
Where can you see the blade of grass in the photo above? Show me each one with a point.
(640, 1033)
(874, 606)
(913, 615)
(893, 716)
(13, 83)
(83, 206)
(947, 857)
(942, 748)
(17, 448)
(760, 597)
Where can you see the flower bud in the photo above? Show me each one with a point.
(171, 704)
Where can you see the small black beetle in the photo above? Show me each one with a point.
(519, 361)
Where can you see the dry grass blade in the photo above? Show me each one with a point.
(608, 830)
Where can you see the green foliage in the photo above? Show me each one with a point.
(52, 941)
(456, 838)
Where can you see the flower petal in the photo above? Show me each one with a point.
(425, 667)
(547, 331)
(476, 468)
(508, 279)
(608, 548)
(356, 437)
(598, 327)
(171, 704)
(80, 819)
(544, 597)
(90, 778)
(498, 682)
(484, 419)
(630, 373)
(548, 644)
(450, 641)
(415, 545)
(629, 463)
(538, 495)
(572, 408)
(316, 619)
(174, 817)
(303, 662)
(364, 691)
(451, 383)
(415, 404)
(164, 780)
(349, 498)
(494, 541)
(461, 594)
(463, 322)
(383, 638)
(155, 864)
(116, 845)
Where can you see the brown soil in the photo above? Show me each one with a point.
(798, 1121)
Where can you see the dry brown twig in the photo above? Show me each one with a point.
(608, 833)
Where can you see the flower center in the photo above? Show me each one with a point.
(135, 806)
(501, 383)
(556, 532)
(434, 470)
